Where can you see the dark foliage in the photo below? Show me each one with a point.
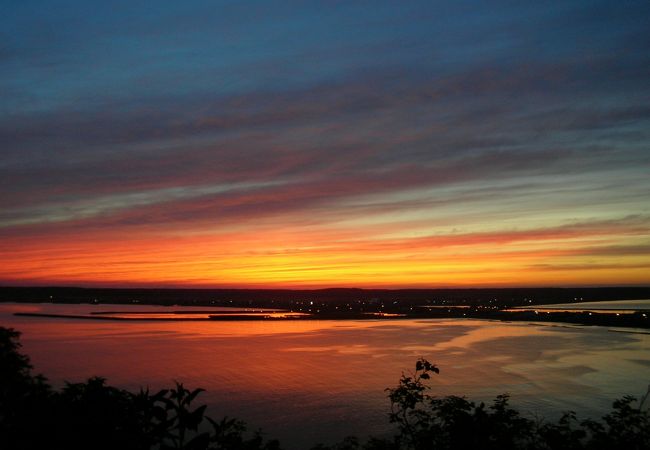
(427, 422)
(453, 422)
(93, 415)
(24, 399)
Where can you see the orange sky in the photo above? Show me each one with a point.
(407, 144)
(309, 252)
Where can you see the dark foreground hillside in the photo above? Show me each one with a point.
(94, 415)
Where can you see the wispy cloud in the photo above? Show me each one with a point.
(419, 140)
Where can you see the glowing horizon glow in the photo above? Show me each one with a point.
(427, 145)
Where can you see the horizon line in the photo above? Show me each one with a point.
(329, 288)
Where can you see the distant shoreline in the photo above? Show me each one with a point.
(504, 304)
(516, 296)
(639, 319)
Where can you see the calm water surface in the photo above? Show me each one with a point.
(310, 381)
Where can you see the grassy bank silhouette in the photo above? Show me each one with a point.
(94, 415)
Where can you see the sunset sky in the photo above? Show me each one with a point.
(319, 144)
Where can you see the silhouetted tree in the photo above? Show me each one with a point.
(24, 398)
(427, 422)
(93, 415)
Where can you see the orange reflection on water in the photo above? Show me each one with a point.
(202, 316)
(328, 377)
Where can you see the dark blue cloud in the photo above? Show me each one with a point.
(116, 98)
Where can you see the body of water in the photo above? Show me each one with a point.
(314, 381)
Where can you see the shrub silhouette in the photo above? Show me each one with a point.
(93, 415)
(455, 423)
(24, 398)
